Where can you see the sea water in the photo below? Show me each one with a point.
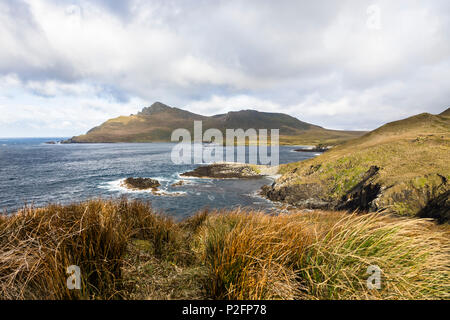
(35, 173)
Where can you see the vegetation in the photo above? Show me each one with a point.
(126, 251)
(37, 245)
(407, 159)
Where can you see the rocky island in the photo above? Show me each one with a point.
(318, 148)
(141, 184)
(231, 170)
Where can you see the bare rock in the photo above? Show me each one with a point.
(141, 183)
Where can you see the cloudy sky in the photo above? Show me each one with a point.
(66, 66)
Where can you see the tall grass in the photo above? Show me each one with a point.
(37, 246)
(123, 249)
(323, 255)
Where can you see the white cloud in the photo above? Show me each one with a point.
(64, 62)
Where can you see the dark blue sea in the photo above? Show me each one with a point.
(35, 173)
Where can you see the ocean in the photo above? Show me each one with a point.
(35, 173)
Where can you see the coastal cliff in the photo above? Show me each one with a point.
(401, 167)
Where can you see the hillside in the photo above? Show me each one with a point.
(157, 122)
(401, 167)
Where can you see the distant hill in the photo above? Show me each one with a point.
(157, 122)
(402, 167)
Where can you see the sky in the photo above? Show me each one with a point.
(67, 66)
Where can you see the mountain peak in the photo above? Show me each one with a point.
(155, 108)
(158, 104)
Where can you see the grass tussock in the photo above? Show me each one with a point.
(323, 255)
(126, 251)
(37, 246)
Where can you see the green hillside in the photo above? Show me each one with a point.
(402, 167)
(157, 122)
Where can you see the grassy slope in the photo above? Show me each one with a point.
(412, 154)
(126, 251)
(157, 124)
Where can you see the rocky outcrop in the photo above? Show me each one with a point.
(231, 171)
(425, 197)
(141, 183)
(315, 196)
(309, 196)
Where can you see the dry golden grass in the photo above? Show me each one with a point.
(126, 251)
(323, 255)
(37, 245)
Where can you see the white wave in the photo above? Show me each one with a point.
(164, 192)
(273, 176)
(162, 179)
(180, 177)
(117, 186)
(258, 196)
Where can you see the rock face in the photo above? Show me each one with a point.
(361, 197)
(141, 183)
(438, 208)
(156, 107)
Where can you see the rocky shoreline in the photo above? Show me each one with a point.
(314, 196)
